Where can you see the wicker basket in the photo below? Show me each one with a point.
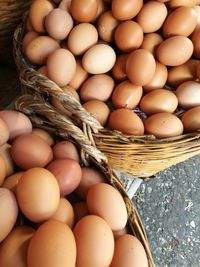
(10, 14)
(139, 156)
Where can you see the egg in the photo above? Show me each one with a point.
(99, 87)
(170, 54)
(188, 94)
(178, 3)
(195, 38)
(13, 250)
(159, 100)
(77, 43)
(53, 244)
(58, 23)
(182, 21)
(12, 181)
(29, 26)
(140, 67)
(79, 77)
(84, 11)
(4, 130)
(126, 95)
(61, 67)
(65, 150)
(99, 59)
(106, 26)
(8, 212)
(151, 41)
(163, 125)
(129, 252)
(128, 36)
(5, 153)
(127, 9)
(40, 48)
(119, 69)
(93, 235)
(197, 10)
(102, 7)
(17, 122)
(38, 194)
(197, 70)
(80, 210)
(46, 136)
(65, 4)
(43, 71)
(28, 37)
(2, 170)
(159, 79)
(182, 73)
(38, 11)
(152, 16)
(191, 120)
(119, 233)
(98, 109)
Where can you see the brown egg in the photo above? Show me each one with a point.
(93, 235)
(43, 71)
(5, 152)
(58, 23)
(170, 54)
(84, 11)
(12, 181)
(65, 4)
(17, 122)
(29, 150)
(195, 38)
(98, 109)
(191, 120)
(106, 26)
(188, 94)
(126, 95)
(151, 41)
(126, 121)
(198, 70)
(13, 250)
(119, 233)
(152, 16)
(197, 10)
(102, 7)
(182, 21)
(28, 37)
(38, 194)
(129, 252)
(61, 66)
(127, 9)
(53, 244)
(98, 87)
(2, 170)
(128, 36)
(159, 79)
(140, 67)
(77, 43)
(159, 100)
(65, 150)
(29, 26)
(4, 130)
(47, 137)
(119, 69)
(163, 125)
(79, 77)
(179, 3)
(182, 73)
(40, 48)
(80, 211)
(38, 11)
(90, 177)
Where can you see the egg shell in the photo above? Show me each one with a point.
(53, 244)
(68, 174)
(13, 250)
(151, 41)
(38, 194)
(140, 67)
(163, 125)
(105, 201)
(43, 71)
(179, 3)
(29, 26)
(2, 170)
(95, 242)
(175, 51)
(191, 120)
(80, 210)
(126, 95)
(195, 38)
(188, 94)
(119, 233)
(119, 69)
(197, 10)
(197, 70)
(5, 152)
(17, 122)
(152, 16)
(90, 177)
(65, 150)
(128, 36)
(98, 109)
(182, 73)
(129, 252)
(106, 26)
(38, 11)
(8, 212)
(77, 43)
(28, 37)
(159, 100)
(84, 11)
(127, 9)
(40, 48)
(65, 4)
(99, 59)
(12, 181)
(182, 21)
(99, 87)
(4, 130)
(102, 7)
(46, 136)
(79, 77)
(29, 150)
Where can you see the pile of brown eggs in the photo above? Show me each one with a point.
(54, 211)
(134, 65)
